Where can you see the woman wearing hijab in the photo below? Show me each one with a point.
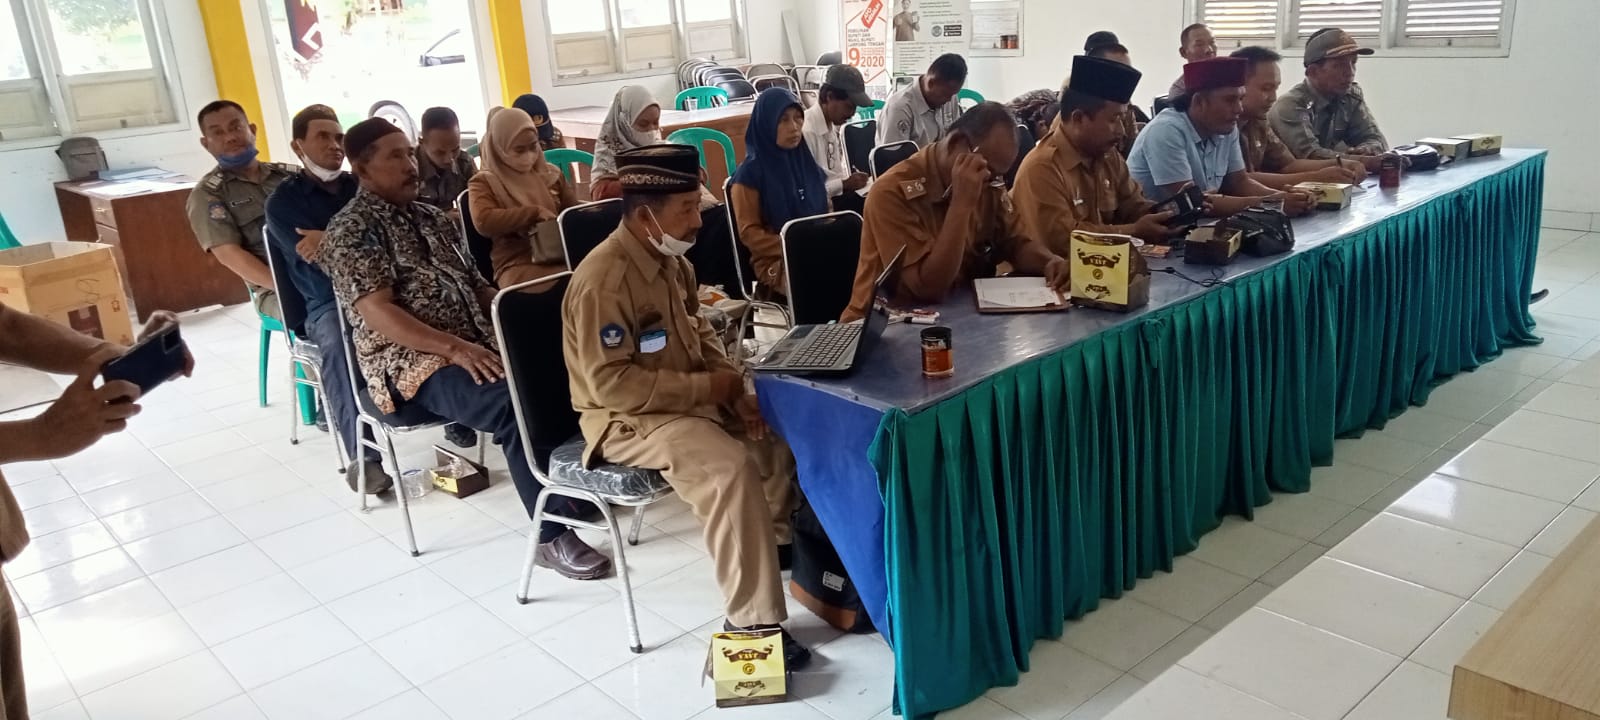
(550, 136)
(633, 121)
(514, 200)
(778, 182)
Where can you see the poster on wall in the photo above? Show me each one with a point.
(996, 29)
(926, 29)
(866, 42)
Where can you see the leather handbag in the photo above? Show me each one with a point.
(545, 239)
(1263, 231)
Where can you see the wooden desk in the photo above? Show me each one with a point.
(1539, 661)
(162, 264)
(581, 126)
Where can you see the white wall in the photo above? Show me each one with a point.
(27, 169)
(1543, 95)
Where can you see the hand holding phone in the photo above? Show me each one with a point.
(160, 356)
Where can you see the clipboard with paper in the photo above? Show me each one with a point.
(1016, 295)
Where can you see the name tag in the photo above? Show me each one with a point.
(653, 341)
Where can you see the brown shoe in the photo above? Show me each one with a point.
(571, 557)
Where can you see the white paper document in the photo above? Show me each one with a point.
(1015, 292)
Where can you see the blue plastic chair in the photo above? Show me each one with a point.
(8, 239)
(703, 97)
(969, 95)
(564, 158)
(698, 137)
(270, 325)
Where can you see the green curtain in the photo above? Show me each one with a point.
(1022, 502)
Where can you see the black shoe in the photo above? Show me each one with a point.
(571, 557)
(322, 421)
(786, 557)
(795, 655)
(1538, 295)
(460, 435)
(378, 481)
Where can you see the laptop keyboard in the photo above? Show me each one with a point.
(828, 344)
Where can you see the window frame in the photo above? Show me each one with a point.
(616, 37)
(1390, 43)
(53, 83)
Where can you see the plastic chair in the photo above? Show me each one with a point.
(820, 253)
(529, 326)
(584, 227)
(834, 57)
(8, 239)
(969, 95)
(870, 113)
(698, 137)
(738, 89)
(305, 367)
(884, 157)
(476, 247)
(859, 139)
(762, 82)
(703, 97)
(564, 158)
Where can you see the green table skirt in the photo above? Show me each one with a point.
(1024, 501)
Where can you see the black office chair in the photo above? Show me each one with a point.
(884, 157)
(734, 255)
(584, 227)
(477, 245)
(1025, 144)
(762, 82)
(712, 256)
(1161, 103)
(529, 328)
(738, 89)
(820, 254)
(859, 137)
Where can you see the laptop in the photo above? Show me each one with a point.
(834, 348)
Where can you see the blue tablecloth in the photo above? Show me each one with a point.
(1073, 453)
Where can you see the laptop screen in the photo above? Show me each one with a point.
(878, 318)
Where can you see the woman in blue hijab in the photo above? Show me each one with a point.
(778, 182)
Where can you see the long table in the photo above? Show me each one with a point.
(581, 128)
(1075, 453)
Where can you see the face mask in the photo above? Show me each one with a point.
(667, 244)
(238, 160)
(320, 172)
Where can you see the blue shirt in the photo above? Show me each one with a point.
(301, 203)
(1169, 150)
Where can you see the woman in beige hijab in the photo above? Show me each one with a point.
(515, 198)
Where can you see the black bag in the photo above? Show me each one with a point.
(818, 579)
(1266, 232)
(1419, 158)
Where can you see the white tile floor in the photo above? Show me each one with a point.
(199, 566)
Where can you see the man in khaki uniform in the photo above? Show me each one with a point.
(1104, 45)
(1075, 178)
(228, 207)
(79, 418)
(655, 389)
(1266, 158)
(1326, 116)
(948, 207)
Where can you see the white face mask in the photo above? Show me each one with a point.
(667, 244)
(320, 172)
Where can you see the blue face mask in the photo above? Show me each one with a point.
(240, 159)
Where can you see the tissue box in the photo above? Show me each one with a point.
(747, 668)
(1482, 144)
(1208, 246)
(457, 475)
(1449, 148)
(1330, 196)
(1107, 272)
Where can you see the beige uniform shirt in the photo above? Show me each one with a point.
(638, 353)
(1058, 191)
(229, 209)
(908, 208)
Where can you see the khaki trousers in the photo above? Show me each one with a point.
(742, 491)
(13, 693)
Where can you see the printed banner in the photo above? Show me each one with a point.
(866, 42)
(304, 27)
(926, 29)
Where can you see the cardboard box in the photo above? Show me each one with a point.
(1482, 144)
(1107, 273)
(75, 284)
(1330, 196)
(1211, 246)
(747, 668)
(455, 474)
(1450, 149)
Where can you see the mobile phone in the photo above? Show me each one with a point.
(150, 362)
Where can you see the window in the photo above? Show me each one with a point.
(74, 66)
(595, 39)
(1397, 27)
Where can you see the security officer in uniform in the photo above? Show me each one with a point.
(1326, 116)
(228, 207)
(655, 389)
(1075, 179)
(947, 206)
(1266, 158)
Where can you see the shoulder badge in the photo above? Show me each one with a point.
(905, 127)
(913, 189)
(611, 336)
(218, 211)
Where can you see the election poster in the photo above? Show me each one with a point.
(926, 29)
(866, 42)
